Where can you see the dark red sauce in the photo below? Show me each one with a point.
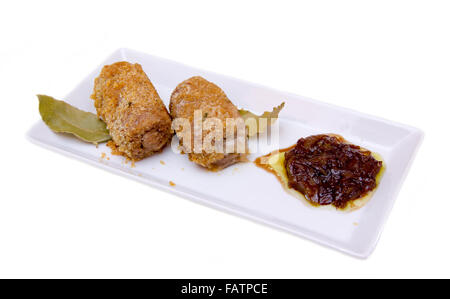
(327, 170)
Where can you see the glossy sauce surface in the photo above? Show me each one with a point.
(328, 170)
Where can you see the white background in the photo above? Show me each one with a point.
(62, 218)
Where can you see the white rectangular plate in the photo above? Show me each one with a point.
(245, 189)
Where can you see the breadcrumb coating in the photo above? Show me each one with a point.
(135, 115)
(197, 93)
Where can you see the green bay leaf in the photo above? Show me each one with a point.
(254, 123)
(64, 118)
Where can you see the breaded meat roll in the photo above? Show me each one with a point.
(197, 95)
(135, 115)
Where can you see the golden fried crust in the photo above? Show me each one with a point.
(135, 115)
(196, 93)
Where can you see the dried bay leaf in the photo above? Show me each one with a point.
(61, 117)
(258, 126)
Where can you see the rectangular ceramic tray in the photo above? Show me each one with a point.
(245, 189)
